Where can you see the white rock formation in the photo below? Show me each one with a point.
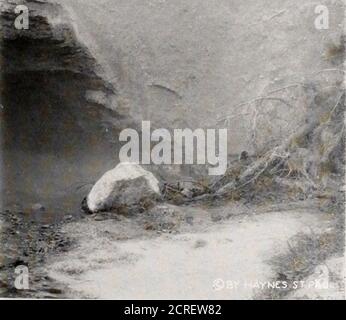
(126, 184)
(190, 63)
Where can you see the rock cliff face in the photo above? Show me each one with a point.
(192, 63)
(55, 106)
(84, 68)
(49, 44)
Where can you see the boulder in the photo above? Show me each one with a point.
(38, 207)
(126, 185)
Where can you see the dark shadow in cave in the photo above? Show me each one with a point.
(53, 140)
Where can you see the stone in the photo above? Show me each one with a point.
(125, 185)
(38, 207)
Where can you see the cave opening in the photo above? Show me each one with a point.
(54, 145)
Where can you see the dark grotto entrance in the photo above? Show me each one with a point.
(54, 141)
